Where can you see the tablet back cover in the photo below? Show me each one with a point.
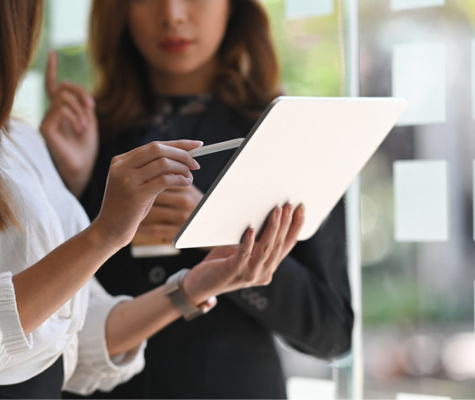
(302, 150)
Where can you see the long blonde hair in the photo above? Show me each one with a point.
(20, 25)
(247, 80)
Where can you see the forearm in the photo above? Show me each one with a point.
(131, 322)
(44, 287)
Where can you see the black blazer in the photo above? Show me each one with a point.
(230, 352)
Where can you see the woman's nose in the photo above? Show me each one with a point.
(173, 12)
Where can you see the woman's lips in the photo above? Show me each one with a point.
(175, 45)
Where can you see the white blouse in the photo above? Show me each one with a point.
(49, 215)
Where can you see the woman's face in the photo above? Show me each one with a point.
(179, 39)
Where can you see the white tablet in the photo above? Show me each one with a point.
(302, 150)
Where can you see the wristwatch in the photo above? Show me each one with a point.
(174, 291)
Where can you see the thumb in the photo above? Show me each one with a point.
(51, 82)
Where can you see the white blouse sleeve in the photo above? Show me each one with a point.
(95, 369)
(12, 337)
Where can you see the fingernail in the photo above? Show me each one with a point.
(247, 235)
(196, 166)
(250, 232)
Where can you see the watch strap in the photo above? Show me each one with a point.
(174, 291)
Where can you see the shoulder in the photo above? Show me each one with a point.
(25, 144)
(20, 128)
(26, 140)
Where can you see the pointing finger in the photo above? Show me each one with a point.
(51, 83)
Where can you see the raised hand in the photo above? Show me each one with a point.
(70, 128)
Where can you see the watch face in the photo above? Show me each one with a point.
(208, 305)
(202, 308)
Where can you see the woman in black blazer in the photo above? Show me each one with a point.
(205, 70)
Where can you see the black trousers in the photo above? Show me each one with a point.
(46, 385)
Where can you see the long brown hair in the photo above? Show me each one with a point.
(20, 24)
(248, 78)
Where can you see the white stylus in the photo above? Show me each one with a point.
(215, 147)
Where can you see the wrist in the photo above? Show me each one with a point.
(195, 288)
(99, 235)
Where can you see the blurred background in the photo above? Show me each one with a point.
(416, 271)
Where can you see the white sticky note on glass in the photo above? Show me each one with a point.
(307, 8)
(397, 5)
(473, 78)
(69, 22)
(410, 396)
(420, 201)
(300, 388)
(473, 197)
(419, 75)
(29, 98)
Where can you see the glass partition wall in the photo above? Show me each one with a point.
(417, 200)
(411, 210)
(414, 207)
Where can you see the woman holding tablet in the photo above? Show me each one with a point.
(58, 327)
(203, 70)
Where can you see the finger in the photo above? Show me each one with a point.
(51, 74)
(72, 118)
(163, 166)
(266, 241)
(298, 219)
(153, 151)
(169, 198)
(165, 215)
(170, 215)
(163, 182)
(178, 198)
(166, 171)
(173, 193)
(70, 100)
(222, 252)
(176, 191)
(166, 232)
(246, 246)
(61, 114)
(81, 93)
(277, 253)
(154, 216)
(91, 114)
(185, 144)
